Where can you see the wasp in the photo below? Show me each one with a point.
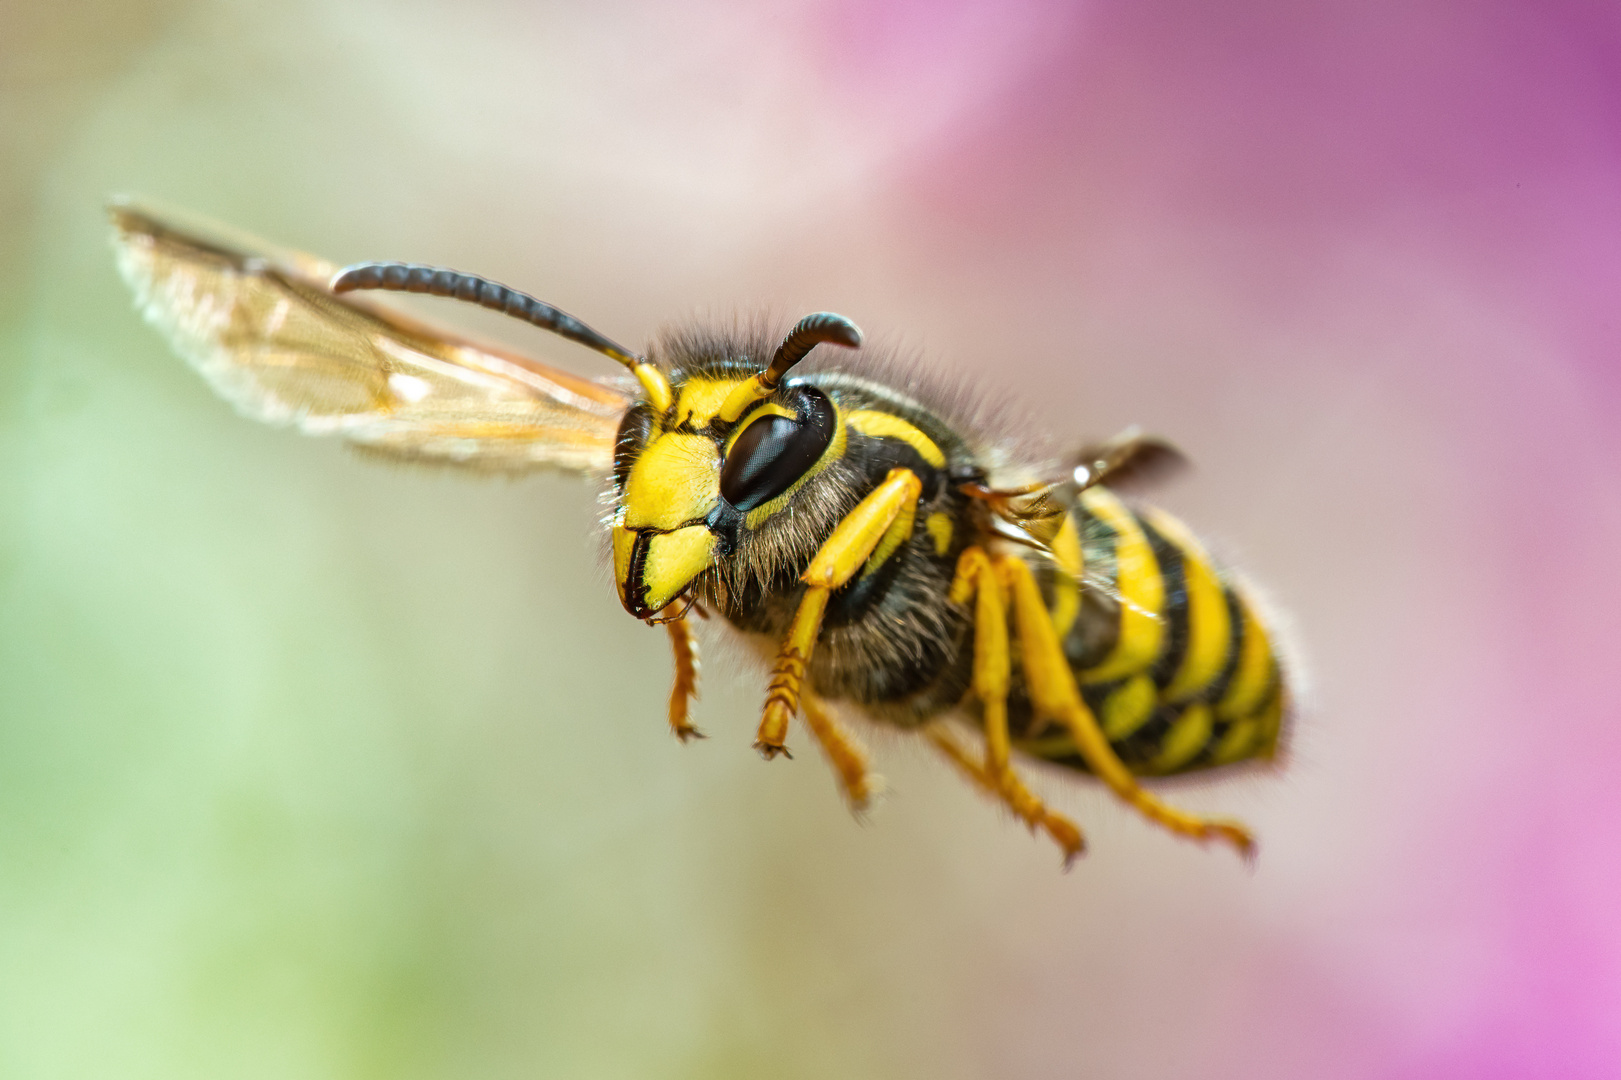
(882, 553)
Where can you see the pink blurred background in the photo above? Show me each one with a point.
(1362, 262)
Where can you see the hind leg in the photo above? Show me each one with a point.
(1010, 789)
(1054, 694)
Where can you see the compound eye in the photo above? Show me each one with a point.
(631, 441)
(775, 451)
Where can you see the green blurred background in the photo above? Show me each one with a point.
(314, 767)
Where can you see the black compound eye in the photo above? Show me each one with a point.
(631, 441)
(774, 451)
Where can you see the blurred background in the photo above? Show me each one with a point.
(312, 767)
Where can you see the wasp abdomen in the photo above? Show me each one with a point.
(1170, 654)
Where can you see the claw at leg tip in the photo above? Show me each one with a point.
(1072, 852)
(1240, 839)
(863, 799)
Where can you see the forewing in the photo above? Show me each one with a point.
(269, 336)
(1129, 463)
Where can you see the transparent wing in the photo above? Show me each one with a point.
(1129, 462)
(269, 336)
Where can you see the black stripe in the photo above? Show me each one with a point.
(1175, 644)
(1201, 760)
(1274, 687)
(1136, 749)
(1235, 647)
(1143, 745)
(875, 455)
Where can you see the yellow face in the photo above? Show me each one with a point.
(695, 478)
(661, 538)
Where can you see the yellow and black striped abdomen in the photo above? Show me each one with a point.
(1169, 653)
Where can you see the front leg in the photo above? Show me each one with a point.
(879, 523)
(684, 644)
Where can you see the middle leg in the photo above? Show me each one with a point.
(977, 578)
(844, 751)
(1054, 694)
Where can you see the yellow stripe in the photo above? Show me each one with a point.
(1235, 744)
(1254, 670)
(1067, 593)
(1185, 739)
(939, 526)
(1209, 623)
(884, 425)
(1141, 588)
(1128, 708)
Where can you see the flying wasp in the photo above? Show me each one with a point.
(881, 554)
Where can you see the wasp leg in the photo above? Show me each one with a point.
(873, 530)
(1024, 802)
(1053, 693)
(685, 689)
(844, 751)
(992, 668)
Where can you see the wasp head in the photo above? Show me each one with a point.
(726, 451)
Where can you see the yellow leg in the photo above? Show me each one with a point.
(685, 646)
(1010, 789)
(788, 674)
(844, 751)
(992, 669)
(890, 507)
(1053, 693)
